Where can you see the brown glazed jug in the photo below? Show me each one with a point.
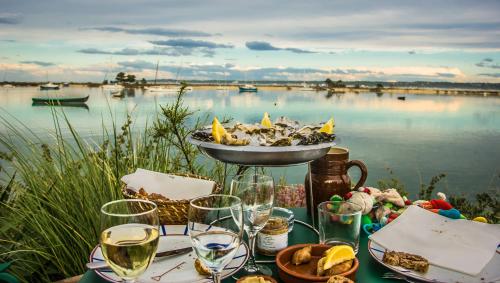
(329, 176)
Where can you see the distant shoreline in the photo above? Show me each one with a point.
(340, 90)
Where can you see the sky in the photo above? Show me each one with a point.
(92, 40)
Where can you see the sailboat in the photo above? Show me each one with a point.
(164, 89)
(49, 86)
(305, 86)
(247, 88)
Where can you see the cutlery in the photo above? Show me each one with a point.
(391, 275)
(171, 253)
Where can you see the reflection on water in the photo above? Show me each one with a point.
(418, 137)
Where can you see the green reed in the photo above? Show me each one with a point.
(52, 190)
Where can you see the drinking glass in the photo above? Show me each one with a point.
(215, 225)
(129, 236)
(257, 194)
(339, 223)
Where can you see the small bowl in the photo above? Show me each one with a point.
(267, 278)
(306, 273)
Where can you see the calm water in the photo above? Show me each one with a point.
(417, 138)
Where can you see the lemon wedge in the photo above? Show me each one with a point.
(218, 131)
(328, 127)
(266, 122)
(338, 254)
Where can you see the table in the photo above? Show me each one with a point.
(369, 270)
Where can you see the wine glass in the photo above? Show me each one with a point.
(215, 225)
(129, 236)
(257, 194)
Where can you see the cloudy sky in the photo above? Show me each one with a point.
(255, 40)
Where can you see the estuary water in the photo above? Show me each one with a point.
(416, 139)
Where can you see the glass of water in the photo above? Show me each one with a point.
(257, 196)
(215, 225)
(339, 223)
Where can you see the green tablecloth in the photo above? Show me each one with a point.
(369, 270)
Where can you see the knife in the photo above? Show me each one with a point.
(171, 253)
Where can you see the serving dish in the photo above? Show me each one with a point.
(306, 273)
(252, 155)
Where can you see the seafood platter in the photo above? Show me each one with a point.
(279, 143)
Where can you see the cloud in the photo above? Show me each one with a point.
(235, 72)
(266, 46)
(190, 43)
(153, 31)
(168, 51)
(10, 19)
(491, 75)
(39, 63)
(488, 63)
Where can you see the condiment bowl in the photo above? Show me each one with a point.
(306, 273)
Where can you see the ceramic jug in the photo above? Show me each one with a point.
(329, 176)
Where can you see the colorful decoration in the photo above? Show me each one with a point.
(364, 200)
(480, 219)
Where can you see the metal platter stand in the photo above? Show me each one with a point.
(261, 156)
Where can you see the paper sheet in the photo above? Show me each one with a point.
(171, 186)
(461, 245)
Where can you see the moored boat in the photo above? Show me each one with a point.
(306, 87)
(60, 100)
(112, 87)
(49, 86)
(248, 88)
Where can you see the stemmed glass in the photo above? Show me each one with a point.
(215, 225)
(257, 195)
(129, 236)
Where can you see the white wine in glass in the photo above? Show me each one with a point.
(129, 236)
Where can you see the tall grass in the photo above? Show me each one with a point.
(52, 190)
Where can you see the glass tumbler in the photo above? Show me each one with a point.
(339, 223)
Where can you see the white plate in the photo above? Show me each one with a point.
(174, 237)
(490, 273)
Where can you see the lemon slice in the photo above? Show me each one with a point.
(266, 122)
(218, 131)
(338, 254)
(328, 127)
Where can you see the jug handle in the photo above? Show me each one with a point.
(364, 171)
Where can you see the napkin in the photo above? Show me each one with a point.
(170, 186)
(460, 245)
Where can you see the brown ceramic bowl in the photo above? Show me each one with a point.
(306, 273)
(267, 278)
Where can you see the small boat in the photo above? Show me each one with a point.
(306, 87)
(112, 87)
(8, 86)
(49, 86)
(401, 98)
(163, 89)
(117, 93)
(60, 100)
(248, 88)
(65, 84)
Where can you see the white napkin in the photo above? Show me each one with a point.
(170, 186)
(461, 245)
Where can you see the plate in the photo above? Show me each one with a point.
(174, 237)
(254, 155)
(490, 273)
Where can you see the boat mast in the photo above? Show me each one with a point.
(156, 73)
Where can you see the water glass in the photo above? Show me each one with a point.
(215, 225)
(339, 223)
(129, 236)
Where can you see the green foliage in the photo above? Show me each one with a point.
(52, 193)
(120, 77)
(485, 204)
(393, 182)
(427, 190)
